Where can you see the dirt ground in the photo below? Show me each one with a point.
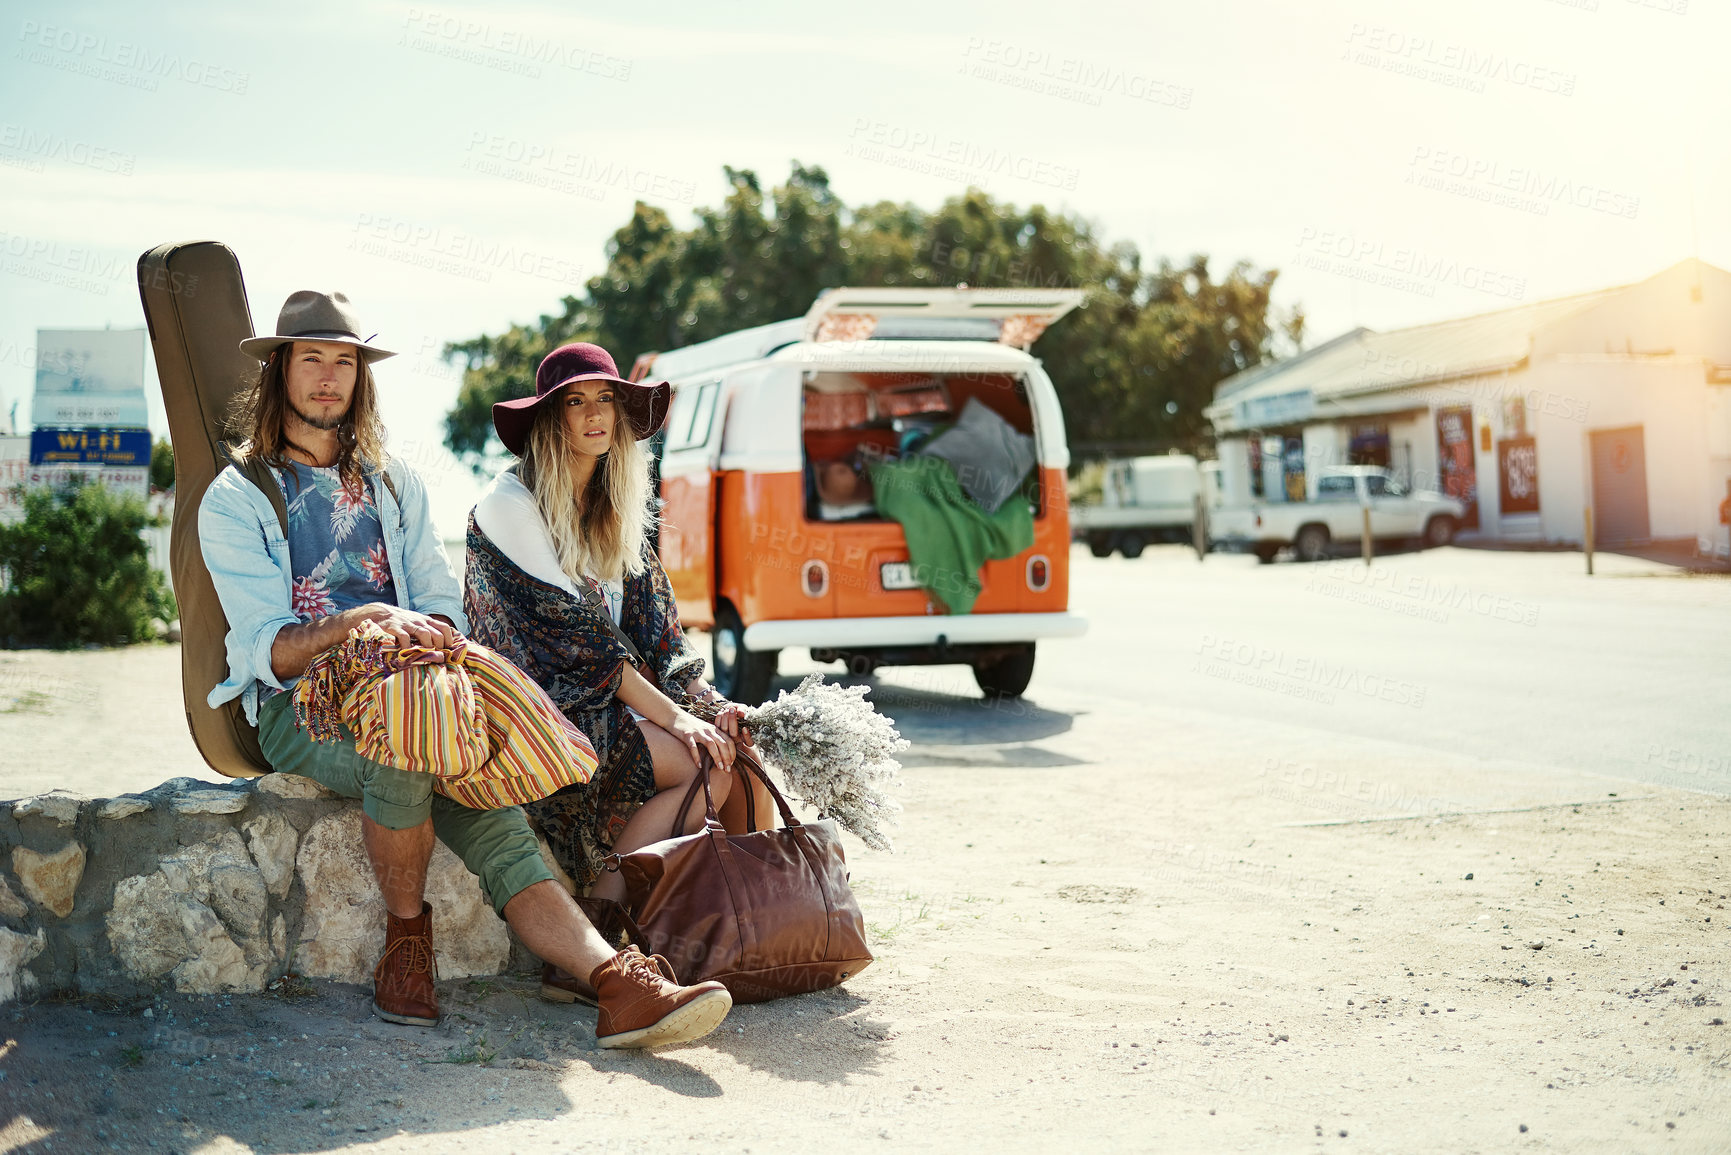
(1086, 937)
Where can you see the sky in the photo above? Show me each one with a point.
(457, 168)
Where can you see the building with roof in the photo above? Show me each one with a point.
(1618, 399)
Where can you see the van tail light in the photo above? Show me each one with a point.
(1259, 521)
(814, 578)
(1039, 573)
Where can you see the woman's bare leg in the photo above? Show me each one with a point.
(732, 814)
(653, 821)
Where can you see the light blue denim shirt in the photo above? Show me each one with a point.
(248, 559)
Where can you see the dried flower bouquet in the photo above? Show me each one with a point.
(835, 753)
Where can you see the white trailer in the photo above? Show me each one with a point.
(1143, 500)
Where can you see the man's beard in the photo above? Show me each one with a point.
(324, 423)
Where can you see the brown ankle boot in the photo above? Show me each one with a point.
(403, 989)
(641, 1005)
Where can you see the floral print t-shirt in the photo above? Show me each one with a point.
(336, 544)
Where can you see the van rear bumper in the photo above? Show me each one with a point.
(925, 630)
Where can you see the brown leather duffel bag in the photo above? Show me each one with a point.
(768, 913)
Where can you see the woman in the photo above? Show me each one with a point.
(570, 518)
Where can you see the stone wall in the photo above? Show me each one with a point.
(203, 888)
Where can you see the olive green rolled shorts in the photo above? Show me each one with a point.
(497, 845)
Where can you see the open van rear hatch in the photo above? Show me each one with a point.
(1013, 317)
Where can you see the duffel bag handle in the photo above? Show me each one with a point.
(709, 711)
(701, 778)
(756, 767)
(704, 764)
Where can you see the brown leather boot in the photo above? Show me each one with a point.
(641, 1005)
(403, 990)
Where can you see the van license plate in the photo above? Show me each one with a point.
(897, 575)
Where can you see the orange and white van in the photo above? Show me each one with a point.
(757, 556)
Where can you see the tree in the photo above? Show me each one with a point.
(1179, 335)
(162, 464)
(78, 572)
(1138, 363)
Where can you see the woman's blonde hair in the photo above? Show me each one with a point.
(600, 532)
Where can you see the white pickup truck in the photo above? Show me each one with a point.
(1312, 528)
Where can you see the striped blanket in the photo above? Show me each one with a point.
(486, 732)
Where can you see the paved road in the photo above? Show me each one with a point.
(1515, 659)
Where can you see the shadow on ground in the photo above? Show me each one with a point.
(317, 1070)
(826, 1037)
(941, 712)
(1680, 552)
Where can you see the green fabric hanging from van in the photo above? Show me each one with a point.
(949, 536)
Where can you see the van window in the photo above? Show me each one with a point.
(693, 414)
(678, 419)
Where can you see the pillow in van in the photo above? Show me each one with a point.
(990, 458)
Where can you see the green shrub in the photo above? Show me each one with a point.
(162, 464)
(74, 570)
(1088, 487)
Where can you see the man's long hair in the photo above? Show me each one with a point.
(600, 532)
(261, 411)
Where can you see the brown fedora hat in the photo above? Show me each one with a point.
(310, 315)
(645, 405)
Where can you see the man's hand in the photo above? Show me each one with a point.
(295, 647)
(407, 626)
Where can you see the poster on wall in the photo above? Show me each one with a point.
(1458, 472)
(89, 377)
(1368, 446)
(1518, 475)
(1292, 468)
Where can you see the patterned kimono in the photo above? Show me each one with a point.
(566, 647)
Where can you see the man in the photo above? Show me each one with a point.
(361, 547)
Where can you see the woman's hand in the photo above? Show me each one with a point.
(731, 719)
(696, 733)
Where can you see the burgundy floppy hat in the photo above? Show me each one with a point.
(645, 405)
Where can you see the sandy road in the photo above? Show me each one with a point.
(1109, 928)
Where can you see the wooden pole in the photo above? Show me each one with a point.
(1369, 546)
(1199, 529)
(1587, 515)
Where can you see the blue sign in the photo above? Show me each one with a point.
(90, 446)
